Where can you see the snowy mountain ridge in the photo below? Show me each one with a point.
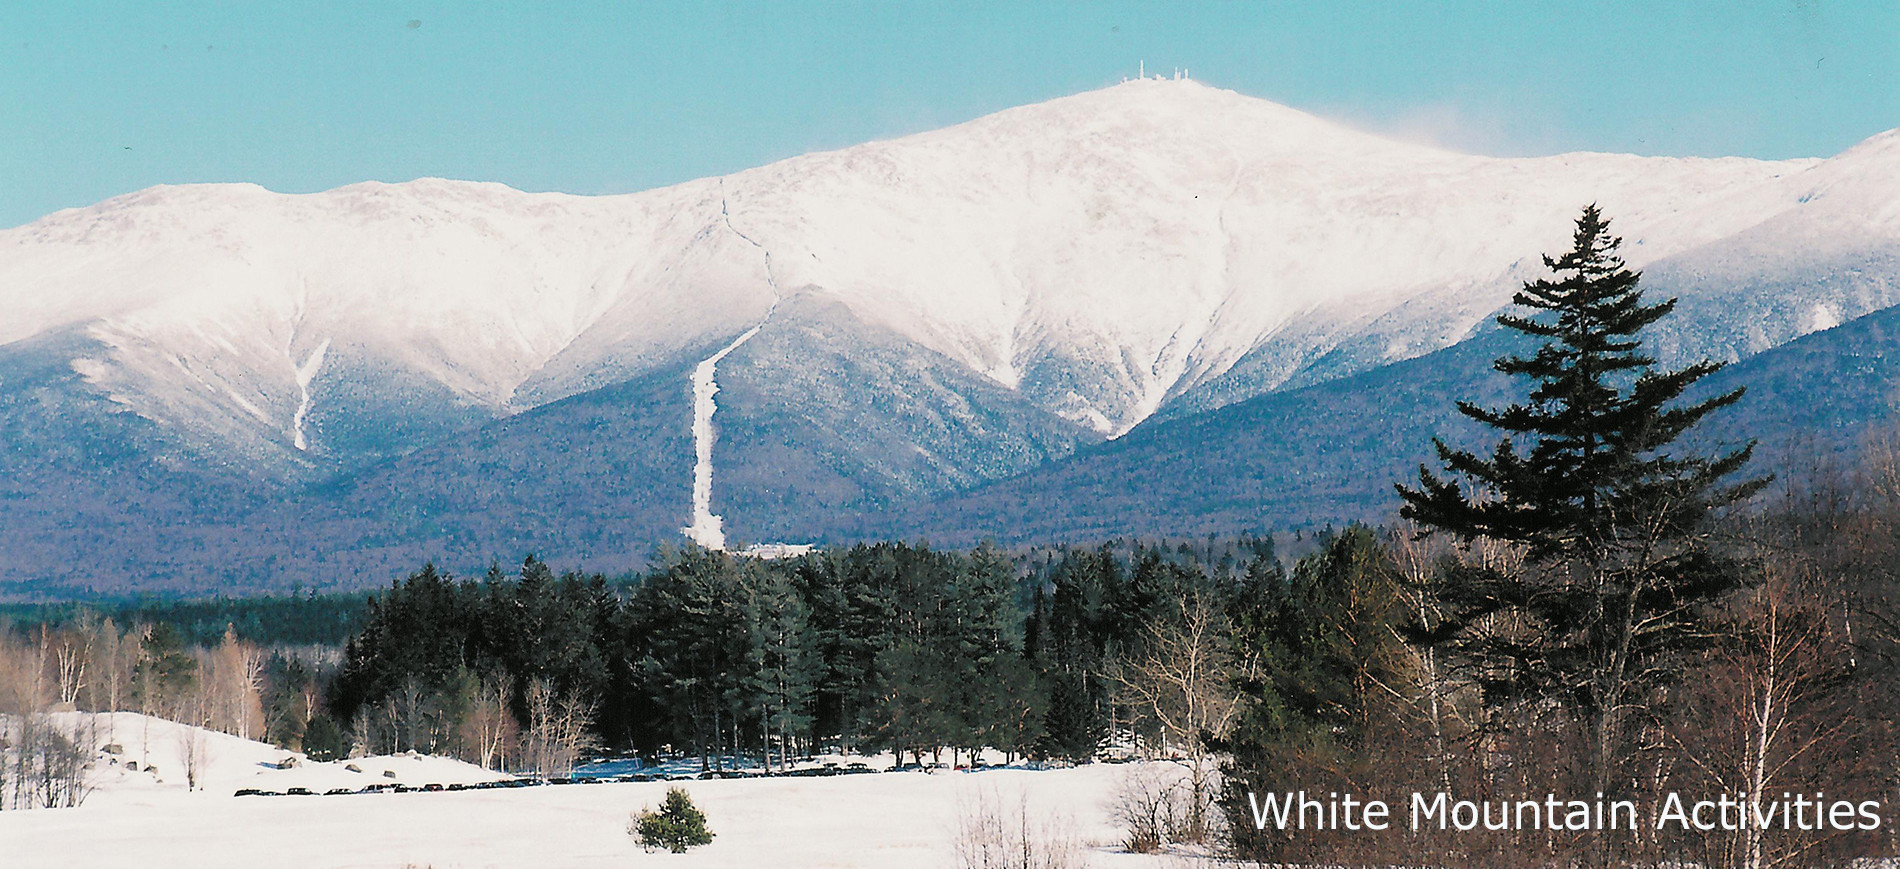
(1102, 253)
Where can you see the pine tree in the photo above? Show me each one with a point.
(1588, 484)
(1320, 673)
(691, 637)
(678, 824)
(783, 670)
(166, 671)
(913, 709)
(991, 701)
(1070, 646)
(1322, 645)
(323, 740)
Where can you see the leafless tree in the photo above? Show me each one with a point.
(489, 730)
(46, 768)
(1770, 715)
(235, 682)
(40, 765)
(1182, 681)
(71, 652)
(194, 748)
(44, 757)
(559, 730)
(114, 659)
(22, 676)
(1414, 556)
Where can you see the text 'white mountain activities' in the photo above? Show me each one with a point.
(1791, 812)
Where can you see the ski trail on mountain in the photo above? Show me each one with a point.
(708, 528)
(306, 374)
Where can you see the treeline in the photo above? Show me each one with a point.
(874, 647)
(1044, 652)
(280, 620)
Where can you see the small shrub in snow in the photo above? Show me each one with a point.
(1150, 802)
(991, 834)
(678, 824)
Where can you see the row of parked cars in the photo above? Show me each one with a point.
(530, 781)
(801, 772)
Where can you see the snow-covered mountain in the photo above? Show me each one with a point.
(932, 311)
(1102, 253)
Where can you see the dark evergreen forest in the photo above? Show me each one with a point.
(292, 620)
(884, 646)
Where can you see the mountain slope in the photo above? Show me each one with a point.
(1330, 454)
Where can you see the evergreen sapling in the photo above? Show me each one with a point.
(678, 824)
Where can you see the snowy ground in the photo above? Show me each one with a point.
(904, 819)
(149, 767)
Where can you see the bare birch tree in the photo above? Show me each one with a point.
(235, 684)
(1182, 681)
(559, 730)
(489, 730)
(1766, 719)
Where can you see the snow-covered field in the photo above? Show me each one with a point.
(906, 819)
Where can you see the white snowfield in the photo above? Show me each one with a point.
(225, 764)
(1101, 253)
(883, 820)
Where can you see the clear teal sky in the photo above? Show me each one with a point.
(98, 99)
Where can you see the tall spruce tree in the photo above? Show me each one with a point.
(1069, 643)
(782, 669)
(1608, 511)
